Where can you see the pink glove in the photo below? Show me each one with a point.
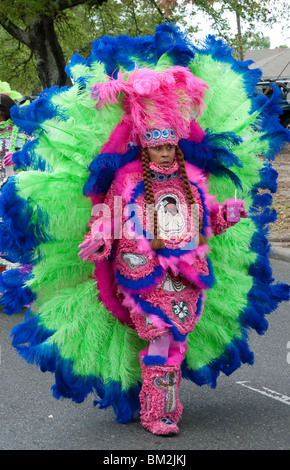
(7, 160)
(243, 212)
(89, 247)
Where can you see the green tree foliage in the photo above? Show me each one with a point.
(250, 17)
(37, 38)
(32, 61)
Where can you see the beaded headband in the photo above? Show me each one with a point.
(155, 137)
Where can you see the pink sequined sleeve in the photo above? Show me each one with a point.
(103, 223)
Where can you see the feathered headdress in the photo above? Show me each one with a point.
(6, 90)
(158, 106)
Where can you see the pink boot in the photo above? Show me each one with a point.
(160, 407)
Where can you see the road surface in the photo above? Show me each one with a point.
(248, 410)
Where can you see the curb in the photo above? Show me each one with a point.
(280, 253)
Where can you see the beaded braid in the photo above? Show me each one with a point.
(156, 243)
(187, 189)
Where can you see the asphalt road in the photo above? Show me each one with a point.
(248, 410)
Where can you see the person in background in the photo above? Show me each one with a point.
(11, 140)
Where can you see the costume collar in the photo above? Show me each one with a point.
(163, 174)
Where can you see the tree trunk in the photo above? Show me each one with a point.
(40, 37)
(240, 39)
(50, 62)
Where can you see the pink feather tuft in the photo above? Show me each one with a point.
(108, 291)
(153, 99)
(119, 140)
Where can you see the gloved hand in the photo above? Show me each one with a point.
(243, 212)
(89, 247)
(7, 160)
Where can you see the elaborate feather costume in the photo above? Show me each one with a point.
(69, 328)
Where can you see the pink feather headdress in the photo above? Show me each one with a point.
(158, 106)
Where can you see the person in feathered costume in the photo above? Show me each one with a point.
(160, 269)
(83, 321)
(11, 139)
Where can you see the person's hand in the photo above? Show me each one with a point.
(243, 212)
(89, 247)
(7, 160)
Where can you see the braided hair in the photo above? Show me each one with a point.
(189, 196)
(157, 243)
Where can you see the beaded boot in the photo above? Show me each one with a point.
(160, 406)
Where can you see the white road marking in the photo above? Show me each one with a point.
(269, 393)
